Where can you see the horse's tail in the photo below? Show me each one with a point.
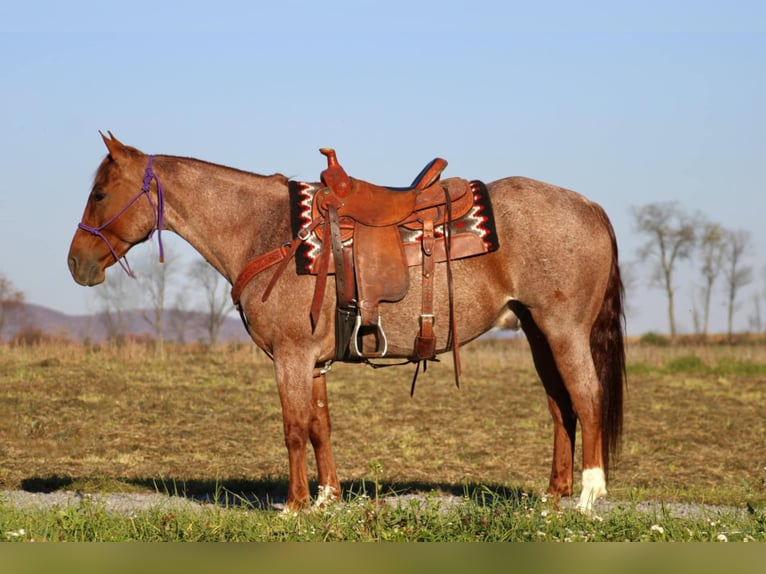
(608, 351)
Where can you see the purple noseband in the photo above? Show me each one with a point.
(159, 217)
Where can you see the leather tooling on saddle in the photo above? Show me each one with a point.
(368, 236)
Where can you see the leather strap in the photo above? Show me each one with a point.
(291, 247)
(324, 263)
(425, 342)
(281, 254)
(341, 275)
(253, 268)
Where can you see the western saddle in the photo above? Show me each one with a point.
(360, 226)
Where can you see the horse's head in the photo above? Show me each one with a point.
(116, 217)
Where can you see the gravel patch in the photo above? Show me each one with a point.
(123, 503)
(127, 503)
(685, 510)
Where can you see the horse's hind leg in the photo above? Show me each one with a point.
(560, 405)
(572, 353)
(319, 433)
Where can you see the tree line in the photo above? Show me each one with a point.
(168, 312)
(719, 256)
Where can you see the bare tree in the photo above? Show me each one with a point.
(154, 279)
(116, 296)
(629, 275)
(217, 302)
(11, 300)
(671, 237)
(736, 274)
(180, 317)
(710, 247)
(755, 320)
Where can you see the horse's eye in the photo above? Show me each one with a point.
(98, 194)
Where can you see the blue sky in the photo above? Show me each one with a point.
(626, 102)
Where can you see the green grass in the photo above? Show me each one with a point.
(482, 515)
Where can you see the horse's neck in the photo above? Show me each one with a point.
(229, 216)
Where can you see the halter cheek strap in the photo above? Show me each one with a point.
(159, 217)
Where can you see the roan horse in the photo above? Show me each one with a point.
(556, 269)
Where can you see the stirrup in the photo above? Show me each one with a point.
(355, 339)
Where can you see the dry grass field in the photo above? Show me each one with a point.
(119, 418)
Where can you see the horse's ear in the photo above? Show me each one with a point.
(115, 146)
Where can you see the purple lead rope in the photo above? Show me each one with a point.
(159, 217)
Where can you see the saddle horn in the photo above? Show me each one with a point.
(335, 177)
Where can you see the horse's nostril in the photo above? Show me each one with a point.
(72, 265)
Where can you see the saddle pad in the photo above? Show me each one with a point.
(479, 222)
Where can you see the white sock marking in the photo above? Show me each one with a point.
(326, 494)
(593, 487)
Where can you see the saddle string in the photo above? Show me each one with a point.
(452, 338)
(423, 362)
(369, 363)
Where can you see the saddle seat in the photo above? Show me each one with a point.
(380, 206)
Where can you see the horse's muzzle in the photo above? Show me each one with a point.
(87, 273)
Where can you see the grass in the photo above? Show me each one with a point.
(480, 516)
(199, 423)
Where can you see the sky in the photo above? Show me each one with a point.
(628, 103)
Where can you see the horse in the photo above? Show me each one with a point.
(555, 271)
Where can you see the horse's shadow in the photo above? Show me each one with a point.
(271, 493)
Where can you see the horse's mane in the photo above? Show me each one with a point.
(213, 165)
(134, 151)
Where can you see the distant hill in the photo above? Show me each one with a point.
(91, 328)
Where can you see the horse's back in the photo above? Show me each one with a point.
(549, 207)
(556, 243)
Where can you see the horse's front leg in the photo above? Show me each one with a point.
(319, 433)
(294, 381)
